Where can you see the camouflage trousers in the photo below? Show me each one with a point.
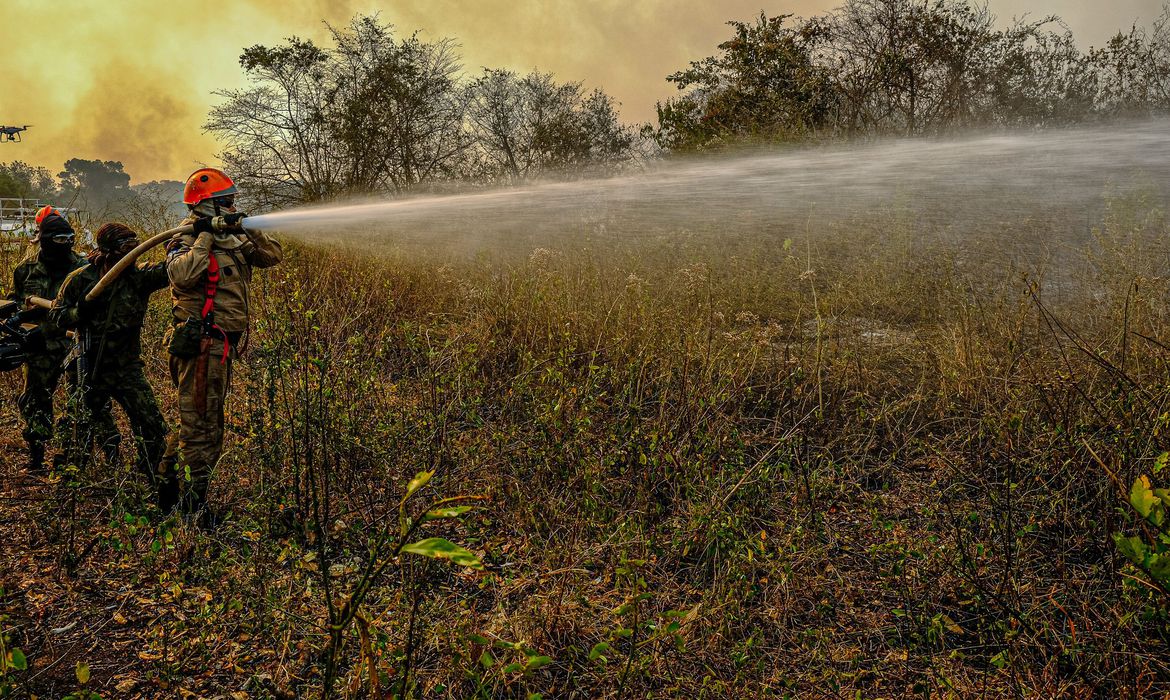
(192, 454)
(127, 385)
(42, 374)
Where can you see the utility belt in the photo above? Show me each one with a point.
(196, 336)
(187, 339)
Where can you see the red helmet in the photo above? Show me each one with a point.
(46, 211)
(207, 183)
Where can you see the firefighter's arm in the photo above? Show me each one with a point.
(65, 313)
(154, 277)
(17, 293)
(266, 252)
(187, 265)
(22, 290)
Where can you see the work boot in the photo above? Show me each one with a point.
(111, 453)
(207, 519)
(195, 507)
(36, 458)
(167, 496)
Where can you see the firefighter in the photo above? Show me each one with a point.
(111, 325)
(211, 275)
(40, 275)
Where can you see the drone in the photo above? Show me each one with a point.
(12, 133)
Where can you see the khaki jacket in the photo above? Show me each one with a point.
(187, 260)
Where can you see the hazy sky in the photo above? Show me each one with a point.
(129, 80)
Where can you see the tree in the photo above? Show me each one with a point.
(1041, 79)
(908, 68)
(1133, 71)
(395, 107)
(19, 179)
(532, 126)
(371, 114)
(764, 85)
(275, 132)
(96, 185)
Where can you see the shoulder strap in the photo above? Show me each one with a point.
(211, 287)
(209, 290)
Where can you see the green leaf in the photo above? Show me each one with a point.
(19, 662)
(420, 480)
(1160, 462)
(1142, 497)
(82, 672)
(598, 649)
(486, 660)
(537, 662)
(439, 548)
(1158, 567)
(442, 513)
(1000, 660)
(511, 668)
(1133, 548)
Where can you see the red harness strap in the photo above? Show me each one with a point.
(209, 304)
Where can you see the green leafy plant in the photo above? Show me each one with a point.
(12, 659)
(495, 664)
(81, 672)
(1151, 552)
(386, 551)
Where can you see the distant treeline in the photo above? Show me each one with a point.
(375, 113)
(908, 68)
(100, 189)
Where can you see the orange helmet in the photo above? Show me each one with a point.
(46, 211)
(207, 183)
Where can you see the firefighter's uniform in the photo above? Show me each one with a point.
(46, 360)
(202, 380)
(113, 357)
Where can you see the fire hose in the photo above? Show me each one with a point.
(119, 267)
(218, 223)
(132, 257)
(129, 259)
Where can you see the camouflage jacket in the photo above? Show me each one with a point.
(187, 260)
(32, 278)
(113, 332)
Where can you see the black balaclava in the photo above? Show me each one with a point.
(56, 238)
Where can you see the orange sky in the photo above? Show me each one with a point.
(129, 80)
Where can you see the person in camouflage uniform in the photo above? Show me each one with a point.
(111, 326)
(40, 275)
(211, 276)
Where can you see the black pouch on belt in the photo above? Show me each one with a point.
(187, 339)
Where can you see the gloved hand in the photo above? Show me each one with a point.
(34, 340)
(232, 221)
(86, 309)
(203, 225)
